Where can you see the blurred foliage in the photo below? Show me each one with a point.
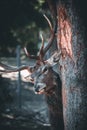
(20, 24)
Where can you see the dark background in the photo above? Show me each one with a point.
(21, 21)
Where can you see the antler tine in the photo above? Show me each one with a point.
(42, 41)
(9, 69)
(30, 56)
(52, 35)
(40, 53)
(50, 25)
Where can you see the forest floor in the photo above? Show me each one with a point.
(26, 110)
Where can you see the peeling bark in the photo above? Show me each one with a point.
(64, 34)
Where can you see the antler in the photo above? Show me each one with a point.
(9, 69)
(43, 50)
(53, 31)
(39, 57)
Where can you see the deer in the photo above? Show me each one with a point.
(46, 81)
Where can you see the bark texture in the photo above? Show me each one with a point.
(72, 65)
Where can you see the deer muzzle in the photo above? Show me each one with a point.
(40, 88)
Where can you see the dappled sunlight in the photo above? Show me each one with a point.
(14, 75)
(25, 75)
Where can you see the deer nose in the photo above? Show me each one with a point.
(39, 87)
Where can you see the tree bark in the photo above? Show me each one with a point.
(72, 42)
(72, 65)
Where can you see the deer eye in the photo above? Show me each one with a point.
(45, 69)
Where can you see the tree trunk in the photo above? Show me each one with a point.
(72, 65)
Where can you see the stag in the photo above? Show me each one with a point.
(46, 80)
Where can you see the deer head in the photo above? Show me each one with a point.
(41, 74)
(45, 80)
